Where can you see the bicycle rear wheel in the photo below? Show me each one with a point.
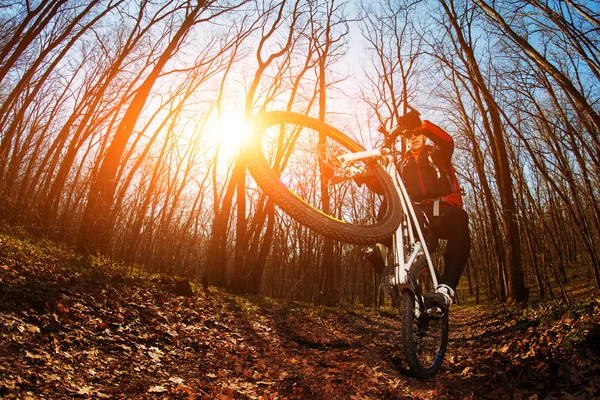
(425, 335)
(292, 158)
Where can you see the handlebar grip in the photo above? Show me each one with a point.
(361, 155)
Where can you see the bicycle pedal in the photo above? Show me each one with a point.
(435, 312)
(433, 300)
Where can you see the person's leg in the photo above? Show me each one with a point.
(452, 225)
(377, 254)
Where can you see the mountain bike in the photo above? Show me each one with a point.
(310, 170)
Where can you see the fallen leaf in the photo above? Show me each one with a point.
(157, 389)
(62, 309)
(84, 390)
(32, 328)
(34, 356)
(176, 379)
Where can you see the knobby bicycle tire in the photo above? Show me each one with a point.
(300, 210)
(424, 339)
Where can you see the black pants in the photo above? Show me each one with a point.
(453, 225)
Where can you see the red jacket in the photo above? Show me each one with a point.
(429, 174)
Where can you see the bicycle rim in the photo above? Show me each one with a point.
(292, 157)
(425, 336)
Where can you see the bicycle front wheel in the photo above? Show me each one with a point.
(292, 158)
(424, 331)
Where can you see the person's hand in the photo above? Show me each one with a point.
(397, 131)
(393, 135)
(411, 120)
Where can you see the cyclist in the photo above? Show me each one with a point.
(429, 177)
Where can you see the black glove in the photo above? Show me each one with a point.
(411, 120)
(390, 139)
(397, 131)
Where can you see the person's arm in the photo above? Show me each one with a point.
(442, 140)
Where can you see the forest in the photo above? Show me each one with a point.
(121, 121)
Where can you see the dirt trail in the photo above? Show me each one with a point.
(68, 332)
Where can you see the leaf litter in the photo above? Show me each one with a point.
(68, 331)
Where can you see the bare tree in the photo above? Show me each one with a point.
(96, 226)
(238, 179)
(329, 30)
(396, 47)
(580, 101)
(492, 122)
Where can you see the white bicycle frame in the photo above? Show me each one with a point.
(404, 237)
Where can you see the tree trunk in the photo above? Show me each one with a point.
(518, 291)
(96, 226)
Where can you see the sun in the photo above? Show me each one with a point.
(230, 132)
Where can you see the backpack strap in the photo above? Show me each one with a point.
(434, 165)
(436, 207)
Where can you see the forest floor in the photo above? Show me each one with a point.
(69, 331)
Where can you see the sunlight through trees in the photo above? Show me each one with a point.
(120, 124)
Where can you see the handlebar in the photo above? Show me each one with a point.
(362, 155)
